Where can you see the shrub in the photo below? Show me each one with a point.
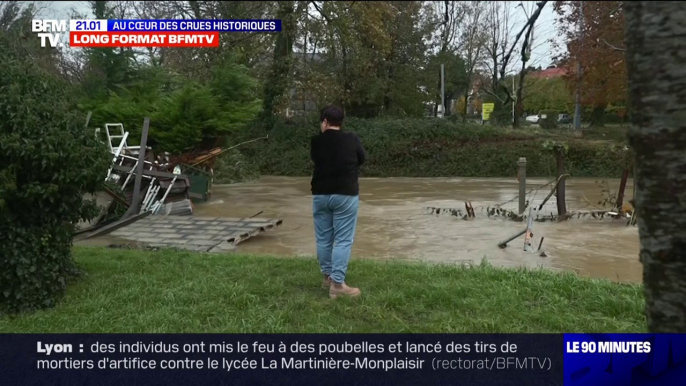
(47, 162)
(550, 120)
(232, 167)
(430, 148)
(183, 113)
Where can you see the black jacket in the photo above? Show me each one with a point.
(337, 156)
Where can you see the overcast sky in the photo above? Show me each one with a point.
(541, 55)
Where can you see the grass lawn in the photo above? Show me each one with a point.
(131, 291)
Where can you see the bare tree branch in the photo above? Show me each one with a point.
(321, 12)
(529, 24)
(491, 93)
(613, 47)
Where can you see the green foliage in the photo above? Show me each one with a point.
(183, 112)
(106, 68)
(232, 167)
(455, 76)
(47, 162)
(556, 146)
(547, 94)
(180, 291)
(550, 120)
(432, 148)
(501, 115)
(375, 59)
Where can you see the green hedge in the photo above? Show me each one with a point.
(47, 162)
(434, 148)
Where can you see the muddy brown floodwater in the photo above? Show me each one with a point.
(394, 224)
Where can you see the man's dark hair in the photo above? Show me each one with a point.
(334, 115)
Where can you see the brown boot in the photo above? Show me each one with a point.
(342, 289)
(326, 283)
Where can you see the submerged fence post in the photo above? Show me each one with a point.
(622, 188)
(561, 201)
(522, 183)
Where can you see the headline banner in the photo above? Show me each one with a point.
(343, 359)
(193, 25)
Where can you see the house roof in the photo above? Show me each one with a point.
(548, 73)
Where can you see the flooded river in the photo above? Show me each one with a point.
(394, 224)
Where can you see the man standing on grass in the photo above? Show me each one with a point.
(337, 156)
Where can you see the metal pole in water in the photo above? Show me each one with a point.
(522, 184)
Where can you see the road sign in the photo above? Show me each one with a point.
(486, 110)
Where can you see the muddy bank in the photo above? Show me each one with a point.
(393, 223)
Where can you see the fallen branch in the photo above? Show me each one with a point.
(529, 25)
(552, 191)
(229, 148)
(590, 203)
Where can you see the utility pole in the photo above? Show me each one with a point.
(577, 109)
(514, 101)
(443, 89)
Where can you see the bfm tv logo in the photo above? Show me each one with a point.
(44, 26)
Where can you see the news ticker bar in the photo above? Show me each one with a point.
(362, 359)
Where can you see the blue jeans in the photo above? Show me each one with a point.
(335, 219)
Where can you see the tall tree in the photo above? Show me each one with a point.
(657, 79)
(107, 68)
(598, 48)
(252, 49)
(280, 75)
(358, 39)
(404, 65)
(15, 26)
(473, 40)
(450, 16)
(501, 49)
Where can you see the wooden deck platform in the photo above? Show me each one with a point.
(195, 233)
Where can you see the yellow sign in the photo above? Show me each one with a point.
(486, 110)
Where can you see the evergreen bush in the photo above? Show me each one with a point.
(48, 160)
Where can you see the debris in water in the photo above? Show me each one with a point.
(503, 244)
(541, 243)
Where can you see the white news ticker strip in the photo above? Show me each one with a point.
(91, 25)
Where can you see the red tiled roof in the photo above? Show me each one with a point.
(550, 73)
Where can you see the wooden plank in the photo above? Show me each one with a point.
(154, 173)
(117, 198)
(124, 221)
(135, 204)
(246, 220)
(91, 228)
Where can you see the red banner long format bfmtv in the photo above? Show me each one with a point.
(143, 39)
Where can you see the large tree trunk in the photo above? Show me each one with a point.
(656, 49)
(278, 83)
